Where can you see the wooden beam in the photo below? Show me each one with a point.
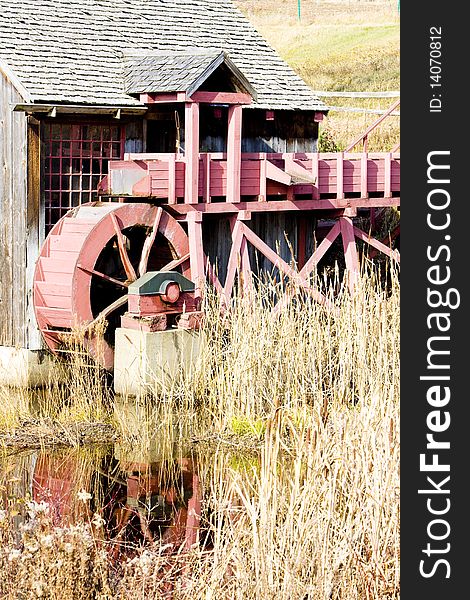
(276, 174)
(234, 153)
(126, 261)
(283, 205)
(350, 251)
(340, 175)
(323, 247)
(372, 127)
(192, 153)
(283, 267)
(196, 252)
(149, 241)
(394, 254)
(262, 177)
(165, 98)
(245, 265)
(34, 224)
(237, 239)
(222, 98)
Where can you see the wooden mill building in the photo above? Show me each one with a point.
(76, 85)
(179, 104)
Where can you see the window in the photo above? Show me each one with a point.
(75, 160)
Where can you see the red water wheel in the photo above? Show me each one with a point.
(89, 259)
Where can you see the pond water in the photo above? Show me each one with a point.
(136, 497)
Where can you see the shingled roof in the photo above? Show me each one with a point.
(73, 51)
(177, 71)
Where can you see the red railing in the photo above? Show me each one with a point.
(263, 176)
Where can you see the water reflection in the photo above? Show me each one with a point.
(137, 501)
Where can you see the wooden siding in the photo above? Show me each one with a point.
(288, 132)
(13, 218)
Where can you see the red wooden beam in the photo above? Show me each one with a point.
(363, 136)
(245, 266)
(196, 252)
(394, 254)
(234, 153)
(237, 239)
(130, 272)
(222, 98)
(284, 205)
(149, 240)
(164, 98)
(350, 251)
(192, 153)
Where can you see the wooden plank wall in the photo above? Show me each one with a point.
(288, 132)
(13, 208)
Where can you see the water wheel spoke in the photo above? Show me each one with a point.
(130, 272)
(149, 241)
(175, 263)
(107, 278)
(104, 314)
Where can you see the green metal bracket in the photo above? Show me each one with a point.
(155, 283)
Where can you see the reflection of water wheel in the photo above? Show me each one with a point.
(89, 259)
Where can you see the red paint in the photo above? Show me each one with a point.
(192, 153)
(221, 98)
(258, 177)
(234, 153)
(76, 269)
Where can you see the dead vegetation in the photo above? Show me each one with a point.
(294, 421)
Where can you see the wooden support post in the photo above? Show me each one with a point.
(172, 179)
(263, 194)
(388, 175)
(315, 172)
(364, 164)
(234, 153)
(245, 265)
(340, 175)
(196, 252)
(237, 239)
(206, 165)
(192, 153)
(350, 251)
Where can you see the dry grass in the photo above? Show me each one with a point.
(338, 46)
(311, 511)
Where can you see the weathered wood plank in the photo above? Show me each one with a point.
(13, 224)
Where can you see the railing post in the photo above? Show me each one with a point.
(364, 181)
(192, 153)
(315, 173)
(350, 251)
(340, 175)
(172, 179)
(262, 177)
(388, 175)
(206, 165)
(196, 252)
(234, 153)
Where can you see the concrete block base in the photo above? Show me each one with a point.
(24, 368)
(146, 362)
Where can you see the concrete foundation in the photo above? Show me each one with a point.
(28, 368)
(147, 362)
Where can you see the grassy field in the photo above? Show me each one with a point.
(338, 46)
